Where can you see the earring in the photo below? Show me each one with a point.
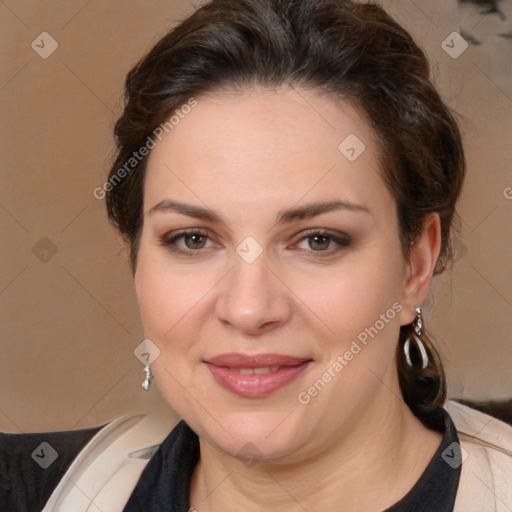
(416, 335)
(148, 379)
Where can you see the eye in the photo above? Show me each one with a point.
(320, 241)
(194, 241)
(186, 242)
(190, 242)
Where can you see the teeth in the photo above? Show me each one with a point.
(257, 371)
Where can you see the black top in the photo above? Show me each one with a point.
(164, 484)
(30, 471)
(32, 465)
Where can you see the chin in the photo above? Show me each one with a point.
(253, 436)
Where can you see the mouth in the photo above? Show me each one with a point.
(255, 376)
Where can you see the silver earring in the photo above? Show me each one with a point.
(148, 379)
(418, 328)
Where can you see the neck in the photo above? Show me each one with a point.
(371, 465)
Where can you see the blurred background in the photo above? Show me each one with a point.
(68, 312)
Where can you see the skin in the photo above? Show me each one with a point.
(247, 156)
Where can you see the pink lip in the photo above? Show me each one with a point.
(255, 385)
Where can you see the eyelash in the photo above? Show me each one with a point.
(341, 239)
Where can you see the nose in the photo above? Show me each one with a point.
(252, 299)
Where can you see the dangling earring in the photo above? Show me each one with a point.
(416, 335)
(148, 379)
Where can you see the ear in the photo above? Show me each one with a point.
(421, 262)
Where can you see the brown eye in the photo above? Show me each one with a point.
(319, 242)
(195, 241)
(324, 243)
(187, 243)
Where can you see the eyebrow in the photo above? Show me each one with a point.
(306, 211)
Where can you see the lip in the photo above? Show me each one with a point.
(255, 385)
(238, 360)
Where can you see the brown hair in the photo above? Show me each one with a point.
(355, 52)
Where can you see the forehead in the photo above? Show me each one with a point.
(262, 148)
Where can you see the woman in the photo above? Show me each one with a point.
(286, 180)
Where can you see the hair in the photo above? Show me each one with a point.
(349, 51)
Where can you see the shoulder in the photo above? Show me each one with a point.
(110, 465)
(486, 473)
(32, 464)
(101, 473)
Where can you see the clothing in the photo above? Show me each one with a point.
(108, 469)
(164, 483)
(25, 485)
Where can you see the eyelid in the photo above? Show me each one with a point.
(341, 239)
(325, 232)
(171, 238)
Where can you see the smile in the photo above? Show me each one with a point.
(258, 371)
(255, 376)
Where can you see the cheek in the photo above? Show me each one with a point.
(360, 304)
(166, 307)
(162, 301)
(351, 295)
(174, 304)
(361, 309)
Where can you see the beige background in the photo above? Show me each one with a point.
(70, 323)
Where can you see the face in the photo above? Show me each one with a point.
(267, 245)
